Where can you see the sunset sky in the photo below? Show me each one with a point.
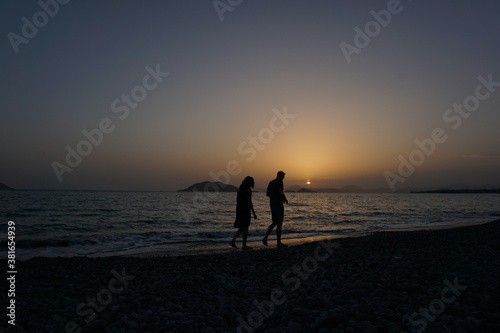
(337, 120)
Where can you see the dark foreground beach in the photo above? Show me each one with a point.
(423, 281)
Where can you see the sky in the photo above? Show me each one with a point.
(158, 95)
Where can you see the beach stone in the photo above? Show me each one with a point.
(59, 319)
(132, 325)
(473, 321)
(334, 320)
(106, 317)
(494, 327)
(151, 318)
(224, 311)
(298, 311)
(178, 315)
(175, 308)
(98, 324)
(360, 316)
(327, 285)
(293, 327)
(135, 315)
(67, 301)
(14, 329)
(381, 293)
(121, 322)
(367, 327)
(394, 328)
(469, 327)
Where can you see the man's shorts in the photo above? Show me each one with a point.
(278, 214)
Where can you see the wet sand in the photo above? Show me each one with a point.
(213, 248)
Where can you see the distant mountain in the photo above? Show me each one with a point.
(463, 188)
(306, 190)
(461, 191)
(447, 189)
(471, 187)
(293, 188)
(298, 189)
(5, 187)
(207, 186)
(345, 189)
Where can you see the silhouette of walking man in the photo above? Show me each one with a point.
(276, 200)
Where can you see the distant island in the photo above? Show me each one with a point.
(345, 189)
(208, 186)
(458, 188)
(461, 191)
(301, 190)
(5, 187)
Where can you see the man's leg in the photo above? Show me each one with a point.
(280, 216)
(271, 227)
(278, 232)
(268, 232)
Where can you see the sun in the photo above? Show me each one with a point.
(308, 182)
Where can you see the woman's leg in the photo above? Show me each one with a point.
(245, 235)
(236, 235)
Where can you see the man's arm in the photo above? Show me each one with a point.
(283, 197)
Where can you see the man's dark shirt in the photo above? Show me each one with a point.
(274, 193)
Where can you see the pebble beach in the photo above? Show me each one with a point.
(413, 281)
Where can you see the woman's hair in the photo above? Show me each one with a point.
(247, 183)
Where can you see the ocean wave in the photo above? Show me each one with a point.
(39, 243)
(293, 204)
(126, 221)
(214, 234)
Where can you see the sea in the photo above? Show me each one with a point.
(121, 223)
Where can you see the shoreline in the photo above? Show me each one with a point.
(211, 247)
(207, 249)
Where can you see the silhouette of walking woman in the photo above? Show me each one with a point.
(244, 207)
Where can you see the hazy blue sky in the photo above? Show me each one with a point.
(340, 122)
